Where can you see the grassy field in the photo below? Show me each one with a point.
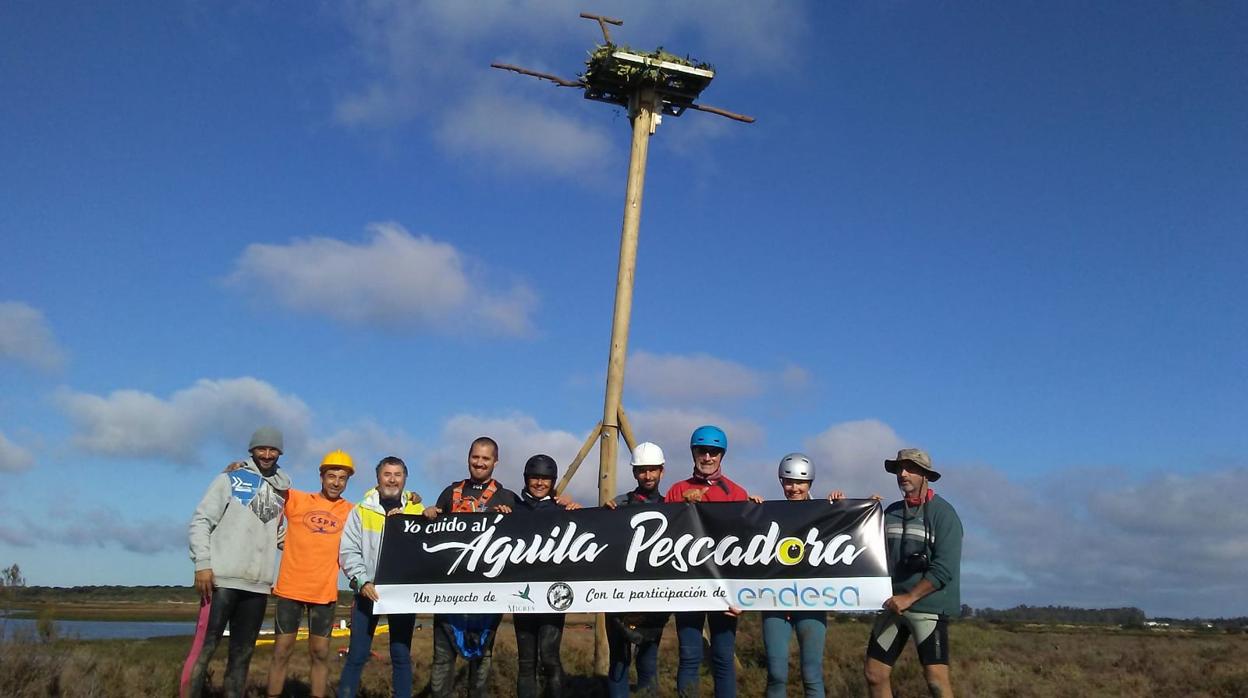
(989, 660)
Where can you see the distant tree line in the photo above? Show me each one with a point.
(82, 594)
(1127, 617)
(1237, 624)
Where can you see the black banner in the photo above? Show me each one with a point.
(812, 555)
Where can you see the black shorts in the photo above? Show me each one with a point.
(931, 637)
(290, 612)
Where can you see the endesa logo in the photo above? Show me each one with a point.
(795, 596)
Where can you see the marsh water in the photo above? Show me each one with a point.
(97, 629)
(28, 628)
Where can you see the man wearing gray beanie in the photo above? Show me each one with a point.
(233, 535)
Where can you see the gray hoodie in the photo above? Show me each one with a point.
(236, 528)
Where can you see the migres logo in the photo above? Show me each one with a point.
(525, 604)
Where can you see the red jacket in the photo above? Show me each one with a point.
(724, 490)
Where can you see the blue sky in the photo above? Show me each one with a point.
(1009, 233)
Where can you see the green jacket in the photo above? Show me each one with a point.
(905, 530)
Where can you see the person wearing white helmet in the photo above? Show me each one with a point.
(647, 461)
(797, 474)
(644, 630)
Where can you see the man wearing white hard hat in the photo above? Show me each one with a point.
(642, 630)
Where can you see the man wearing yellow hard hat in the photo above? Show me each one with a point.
(308, 580)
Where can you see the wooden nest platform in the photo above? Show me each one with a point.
(614, 74)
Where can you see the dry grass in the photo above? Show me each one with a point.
(989, 660)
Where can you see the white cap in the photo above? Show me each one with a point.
(647, 454)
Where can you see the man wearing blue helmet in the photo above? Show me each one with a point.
(708, 484)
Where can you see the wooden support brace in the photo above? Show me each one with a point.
(627, 430)
(723, 112)
(602, 23)
(580, 456)
(562, 82)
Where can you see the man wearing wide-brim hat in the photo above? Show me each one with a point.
(923, 541)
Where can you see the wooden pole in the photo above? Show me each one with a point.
(643, 112)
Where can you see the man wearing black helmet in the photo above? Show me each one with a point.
(923, 541)
(539, 635)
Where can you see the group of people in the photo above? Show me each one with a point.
(251, 510)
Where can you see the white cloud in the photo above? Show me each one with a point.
(26, 337)
(670, 428)
(103, 527)
(13, 458)
(367, 442)
(516, 133)
(18, 536)
(690, 378)
(752, 37)
(418, 57)
(394, 279)
(794, 378)
(1092, 538)
(702, 379)
(1101, 539)
(519, 436)
(133, 423)
(849, 456)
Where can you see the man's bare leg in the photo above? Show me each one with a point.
(878, 676)
(318, 651)
(282, 646)
(938, 683)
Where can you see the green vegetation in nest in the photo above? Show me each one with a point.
(606, 72)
